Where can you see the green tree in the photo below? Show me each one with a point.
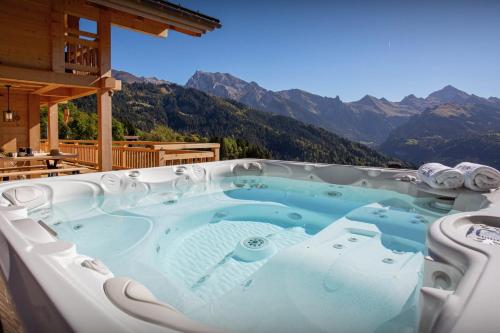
(80, 126)
(118, 130)
(229, 149)
(162, 133)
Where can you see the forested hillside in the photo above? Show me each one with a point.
(449, 134)
(447, 126)
(166, 111)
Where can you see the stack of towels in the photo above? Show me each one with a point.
(473, 176)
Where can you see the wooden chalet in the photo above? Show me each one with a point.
(47, 57)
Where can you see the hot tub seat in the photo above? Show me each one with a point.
(318, 282)
(136, 300)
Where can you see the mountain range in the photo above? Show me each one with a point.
(131, 78)
(449, 133)
(142, 106)
(447, 126)
(367, 120)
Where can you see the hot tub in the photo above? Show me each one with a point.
(250, 246)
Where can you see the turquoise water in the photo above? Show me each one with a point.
(328, 256)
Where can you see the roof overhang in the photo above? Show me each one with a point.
(168, 15)
(54, 87)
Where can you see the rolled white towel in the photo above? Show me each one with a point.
(440, 176)
(479, 177)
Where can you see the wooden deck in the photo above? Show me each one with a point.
(140, 154)
(10, 321)
(82, 156)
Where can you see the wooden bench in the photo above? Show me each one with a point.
(50, 172)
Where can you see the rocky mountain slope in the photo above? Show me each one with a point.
(368, 120)
(446, 126)
(131, 78)
(449, 133)
(144, 105)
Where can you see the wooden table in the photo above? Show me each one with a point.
(50, 160)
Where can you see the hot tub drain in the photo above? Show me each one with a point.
(254, 248)
(255, 242)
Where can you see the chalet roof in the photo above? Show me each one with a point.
(163, 4)
(60, 61)
(175, 17)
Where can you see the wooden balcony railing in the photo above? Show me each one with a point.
(81, 52)
(140, 154)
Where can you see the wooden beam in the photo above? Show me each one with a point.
(110, 83)
(76, 93)
(73, 24)
(138, 9)
(57, 171)
(36, 76)
(76, 40)
(53, 129)
(59, 92)
(44, 101)
(76, 33)
(57, 36)
(69, 92)
(104, 32)
(183, 154)
(104, 135)
(82, 68)
(32, 86)
(81, 9)
(43, 90)
(21, 89)
(185, 145)
(34, 122)
(134, 23)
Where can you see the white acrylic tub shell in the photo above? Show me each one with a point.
(55, 288)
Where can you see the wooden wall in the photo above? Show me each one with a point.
(16, 134)
(25, 33)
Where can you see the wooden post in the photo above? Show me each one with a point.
(123, 156)
(73, 22)
(57, 36)
(53, 129)
(216, 152)
(104, 139)
(34, 122)
(104, 32)
(104, 135)
(161, 158)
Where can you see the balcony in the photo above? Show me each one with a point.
(81, 52)
(139, 154)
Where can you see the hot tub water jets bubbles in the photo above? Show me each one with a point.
(190, 179)
(247, 183)
(134, 188)
(123, 190)
(333, 194)
(248, 169)
(217, 217)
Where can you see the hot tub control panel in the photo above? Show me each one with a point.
(484, 233)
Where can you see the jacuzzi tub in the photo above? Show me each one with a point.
(250, 246)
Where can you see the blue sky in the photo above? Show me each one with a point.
(347, 48)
